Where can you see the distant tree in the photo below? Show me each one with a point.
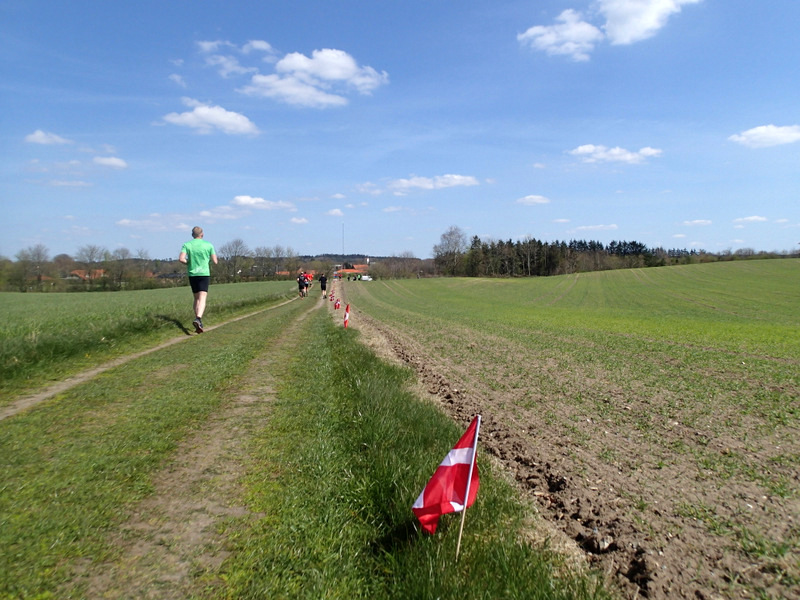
(235, 257)
(448, 253)
(33, 264)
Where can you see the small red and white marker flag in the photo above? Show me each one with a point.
(346, 315)
(455, 479)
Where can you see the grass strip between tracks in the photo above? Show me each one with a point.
(347, 450)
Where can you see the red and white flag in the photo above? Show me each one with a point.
(346, 315)
(455, 478)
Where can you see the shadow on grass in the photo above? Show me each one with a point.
(401, 537)
(175, 322)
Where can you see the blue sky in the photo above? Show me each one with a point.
(374, 126)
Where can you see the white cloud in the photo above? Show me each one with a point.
(178, 79)
(110, 161)
(338, 196)
(228, 65)
(571, 36)
(767, 135)
(391, 209)
(299, 220)
(213, 46)
(205, 119)
(291, 90)
(318, 81)
(258, 45)
(753, 219)
(335, 212)
(629, 21)
(532, 200)
(591, 154)
(47, 139)
(626, 22)
(697, 222)
(401, 186)
(261, 204)
(330, 65)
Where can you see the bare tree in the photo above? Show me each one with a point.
(450, 250)
(33, 263)
(235, 255)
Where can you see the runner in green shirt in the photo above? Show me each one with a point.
(196, 254)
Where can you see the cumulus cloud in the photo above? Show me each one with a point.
(697, 222)
(753, 219)
(291, 90)
(401, 186)
(624, 22)
(335, 212)
(318, 81)
(629, 21)
(45, 138)
(767, 135)
(570, 36)
(299, 220)
(205, 119)
(261, 204)
(533, 200)
(591, 153)
(110, 161)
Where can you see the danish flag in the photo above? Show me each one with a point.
(455, 479)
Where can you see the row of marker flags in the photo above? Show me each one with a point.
(454, 485)
(338, 305)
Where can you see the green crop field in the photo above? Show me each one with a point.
(651, 416)
(46, 336)
(668, 398)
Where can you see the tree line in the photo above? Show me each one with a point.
(95, 268)
(456, 255)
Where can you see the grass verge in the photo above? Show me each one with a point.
(347, 451)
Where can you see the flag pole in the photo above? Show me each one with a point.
(469, 482)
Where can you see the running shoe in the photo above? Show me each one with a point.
(198, 325)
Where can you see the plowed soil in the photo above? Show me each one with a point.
(658, 529)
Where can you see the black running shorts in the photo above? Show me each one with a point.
(199, 284)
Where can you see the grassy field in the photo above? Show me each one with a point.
(676, 388)
(49, 336)
(656, 408)
(331, 449)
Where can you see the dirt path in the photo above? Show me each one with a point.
(32, 400)
(171, 547)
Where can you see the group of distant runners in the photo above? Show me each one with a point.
(304, 282)
(197, 253)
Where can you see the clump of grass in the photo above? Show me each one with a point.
(347, 451)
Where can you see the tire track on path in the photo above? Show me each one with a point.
(32, 400)
(171, 546)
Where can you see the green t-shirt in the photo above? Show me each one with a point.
(198, 254)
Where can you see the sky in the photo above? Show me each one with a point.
(371, 128)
